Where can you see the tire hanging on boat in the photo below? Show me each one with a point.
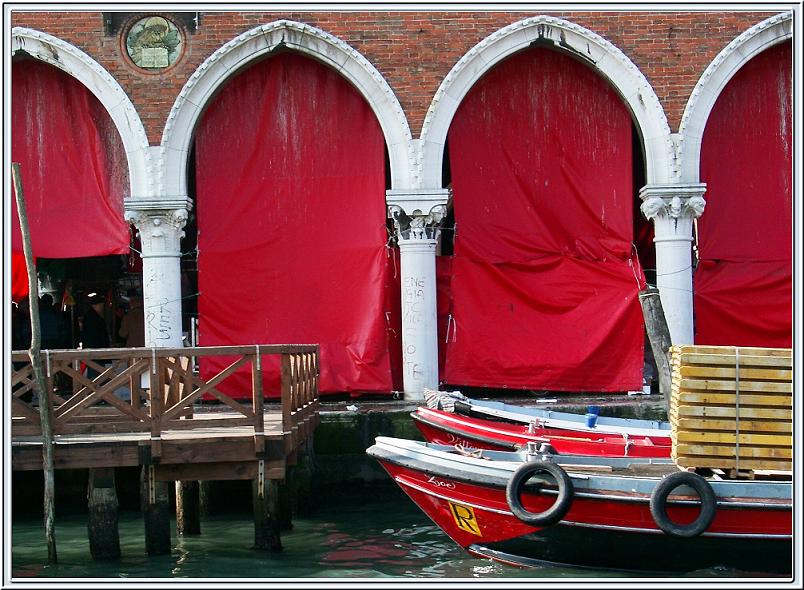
(559, 508)
(658, 504)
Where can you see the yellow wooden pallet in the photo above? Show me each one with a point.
(731, 408)
(745, 413)
(743, 350)
(744, 464)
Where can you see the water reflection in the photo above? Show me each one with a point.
(380, 539)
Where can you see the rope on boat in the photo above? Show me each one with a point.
(476, 453)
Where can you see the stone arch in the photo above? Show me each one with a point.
(735, 55)
(599, 53)
(96, 79)
(257, 42)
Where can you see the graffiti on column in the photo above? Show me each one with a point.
(157, 316)
(413, 304)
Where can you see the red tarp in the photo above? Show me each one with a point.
(445, 332)
(73, 166)
(393, 315)
(544, 282)
(19, 277)
(744, 282)
(291, 221)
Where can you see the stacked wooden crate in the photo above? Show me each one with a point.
(731, 408)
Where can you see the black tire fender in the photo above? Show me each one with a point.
(560, 507)
(658, 504)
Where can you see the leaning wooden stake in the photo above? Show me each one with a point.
(36, 361)
(659, 336)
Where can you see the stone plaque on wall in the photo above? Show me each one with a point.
(154, 43)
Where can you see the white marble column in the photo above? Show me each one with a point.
(672, 209)
(417, 236)
(160, 224)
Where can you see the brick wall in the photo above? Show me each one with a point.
(413, 50)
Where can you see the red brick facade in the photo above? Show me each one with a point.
(413, 50)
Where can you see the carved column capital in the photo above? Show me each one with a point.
(417, 226)
(672, 201)
(159, 222)
(417, 213)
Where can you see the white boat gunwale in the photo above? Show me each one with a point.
(423, 414)
(556, 419)
(498, 466)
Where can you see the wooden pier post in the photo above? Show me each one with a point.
(155, 502)
(265, 494)
(188, 508)
(102, 521)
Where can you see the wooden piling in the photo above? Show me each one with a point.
(204, 497)
(45, 403)
(304, 502)
(265, 494)
(155, 504)
(102, 521)
(188, 508)
(287, 497)
(659, 336)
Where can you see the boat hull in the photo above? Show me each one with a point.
(634, 552)
(447, 428)
(602, 529)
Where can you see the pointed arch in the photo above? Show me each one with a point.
(726, 64)
(256, 43)
(597, 52)
(105, 88)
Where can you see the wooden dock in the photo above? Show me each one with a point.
(126, 407)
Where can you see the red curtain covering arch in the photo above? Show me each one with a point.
(291, 221)
(545, 280)
(19, 277)
(744, 282)
(73, 165)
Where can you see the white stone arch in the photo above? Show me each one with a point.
(735, 55)
(600, 54)
(242, 50)
(98, 81)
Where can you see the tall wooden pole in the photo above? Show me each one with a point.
(45, 408)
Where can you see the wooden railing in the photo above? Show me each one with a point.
(123, 390)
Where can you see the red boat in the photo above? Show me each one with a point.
(560, 423)
(447, 428)
(637, 514)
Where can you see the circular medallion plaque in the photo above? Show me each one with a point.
(154, 43)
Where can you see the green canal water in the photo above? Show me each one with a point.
(382, 536)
